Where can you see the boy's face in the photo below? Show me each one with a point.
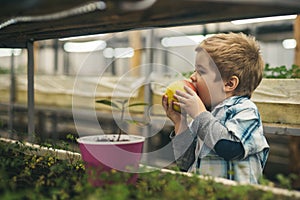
(207, 80)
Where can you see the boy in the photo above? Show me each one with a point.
(225, 138)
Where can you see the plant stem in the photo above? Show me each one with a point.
(119, 134)
(122, 118)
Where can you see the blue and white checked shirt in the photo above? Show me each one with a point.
(236, 119)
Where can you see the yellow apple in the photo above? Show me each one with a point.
(177, 85)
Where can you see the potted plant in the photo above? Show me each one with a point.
(106, 154)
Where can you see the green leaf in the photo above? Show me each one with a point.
(108, 103)
(123, 102)
(138, 123)
(138, 104)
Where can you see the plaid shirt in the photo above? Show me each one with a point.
(235, 119)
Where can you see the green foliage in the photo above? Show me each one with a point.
(18, 70)
(119, 104)
(109, 103)
(281, 72)
(4, 70)
(271, 72)
(22, 170)
(286, 181)
(187, 74)
(25, 175)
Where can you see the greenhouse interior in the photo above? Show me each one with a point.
(70, 68)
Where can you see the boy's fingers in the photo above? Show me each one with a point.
(179, 93)
(179, 98)
(164, 101)
(189, 90)
(165, 104)
(176, 103)
(171, 107)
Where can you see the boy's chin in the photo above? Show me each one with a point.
(208, 108)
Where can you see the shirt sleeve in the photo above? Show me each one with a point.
(229, 150)
(247, 127)
(214, 135)
(210, 130)
(184, 145)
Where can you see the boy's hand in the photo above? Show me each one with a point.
(179, 119)
(190, 102)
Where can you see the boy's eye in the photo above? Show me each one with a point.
(200, 69)
(202, 72)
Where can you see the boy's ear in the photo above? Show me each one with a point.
(231, 84)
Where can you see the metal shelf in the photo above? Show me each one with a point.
(48, 19)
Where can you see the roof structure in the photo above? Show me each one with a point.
(24, 20)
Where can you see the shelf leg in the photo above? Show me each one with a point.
(30, 90)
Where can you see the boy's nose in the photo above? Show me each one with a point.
(193, 77)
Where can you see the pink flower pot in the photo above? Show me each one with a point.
(105, 157)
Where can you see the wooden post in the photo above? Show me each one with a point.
(136, 44)
(147, 90)
(297, 38)
(294, 140)
(135, 41)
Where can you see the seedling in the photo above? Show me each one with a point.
(122, 105)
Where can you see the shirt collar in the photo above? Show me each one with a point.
(230, 101)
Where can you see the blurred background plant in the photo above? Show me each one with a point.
(270, 72)
(282, 72)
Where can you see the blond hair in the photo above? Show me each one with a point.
(236, 54)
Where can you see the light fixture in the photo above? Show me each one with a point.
(82, 37)
(118, 52)
(289, 43)
(179, 41)
(124, 52)
(5, 52)
(263, 19)
(80, 47)
(108, 52)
